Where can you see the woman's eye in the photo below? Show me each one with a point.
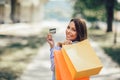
(68, 27)
(74, 29)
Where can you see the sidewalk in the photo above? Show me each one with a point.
(110, 70)
(39, 68)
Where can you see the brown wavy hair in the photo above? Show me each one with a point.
(81, 28)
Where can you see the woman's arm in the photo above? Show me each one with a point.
(52, 48)
(52, 56)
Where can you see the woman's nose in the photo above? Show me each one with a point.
(69, 30)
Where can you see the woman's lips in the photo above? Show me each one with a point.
(68, 36)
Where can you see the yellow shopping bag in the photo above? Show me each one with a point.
(81, 59)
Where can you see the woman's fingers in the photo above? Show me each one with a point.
(50, 40)
(67, 42)
(49, 37)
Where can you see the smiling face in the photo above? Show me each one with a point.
(71, 33)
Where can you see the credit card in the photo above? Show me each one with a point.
(52, 30)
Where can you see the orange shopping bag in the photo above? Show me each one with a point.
(61, 69)
(81, 59)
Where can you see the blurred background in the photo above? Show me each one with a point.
(24, 24)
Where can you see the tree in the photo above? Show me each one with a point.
(94, 10)
(109, 4)
(13, 3)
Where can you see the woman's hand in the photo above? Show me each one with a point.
(67, 42)
(50, 40)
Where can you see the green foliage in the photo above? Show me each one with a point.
(97, 10)
(117, 6)
(92, 10)
(114, 53)
(6, 76)
(92, 4)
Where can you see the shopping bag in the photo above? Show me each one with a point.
(56, 62)
(61, 70)
(81, 59)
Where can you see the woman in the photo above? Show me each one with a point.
(76, 31)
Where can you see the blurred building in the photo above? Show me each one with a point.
(21, 10)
